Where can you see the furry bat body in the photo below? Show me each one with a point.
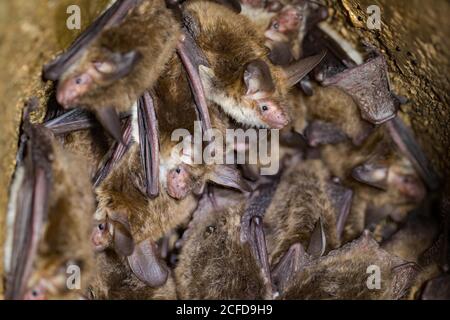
(349, 265)
(56, 210)
(123, 61)
(302, 205)
(115, 281)
(238, 75)
(215, 264)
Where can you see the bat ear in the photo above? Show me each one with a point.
(123, 241)
(118, 66)
(146, 265)
(258, 79)
(298, 70)
(318, 241)
(280, 53)
(230, 177)
(289, 266)
(372, 173)
(110, 120)
(404, 274)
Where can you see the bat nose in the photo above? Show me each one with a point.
(64, 97)
(278, 121)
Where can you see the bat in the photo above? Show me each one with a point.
(332, 117)
(288, 28)
(114, 280)
(116, 60)
(53, 192)
(368, 84)
(351, 262)
(307, 208)
(238, 86)
(211, 260)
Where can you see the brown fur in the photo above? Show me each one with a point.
(298, 203)
(230, 41)
(214, 264)
(333, 106)
(65, 239)
(342, 158)
(115, 281)
(149, 29)
(342, 274)
(122, 192)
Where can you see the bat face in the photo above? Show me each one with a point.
(50, 282)
(98, 69)
(286, 21)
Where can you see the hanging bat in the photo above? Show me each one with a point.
(368, 84)
(384, 182)
(50, 210)
(214, 262)
(288, 29)
(180, 177)
(351, 262)
(119, 57)
(307, 208)
(247, 87)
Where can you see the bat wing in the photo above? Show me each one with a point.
(149, 143)
(115, 154)
(73, 120)
(368, 85)
(31, 208)
(192, 57)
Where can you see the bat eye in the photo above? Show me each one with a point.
(276, 25)
(210, 230)
(264, 108)
(178, 170)
(102, 226)
(79, 80)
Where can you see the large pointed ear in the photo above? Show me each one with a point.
(298, 70)
(109, 119)
(230, 177)
(403, 277)
(258, 79)
(123, 241)
(147, 266)
(118, 65)
(318, 240)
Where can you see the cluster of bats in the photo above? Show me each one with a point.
(97, 185)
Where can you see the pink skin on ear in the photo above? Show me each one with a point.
(73, 88)
(179, 183)
(272, 114)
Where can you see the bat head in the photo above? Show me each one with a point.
(264, 94)
(96, 70)
(56, 278)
